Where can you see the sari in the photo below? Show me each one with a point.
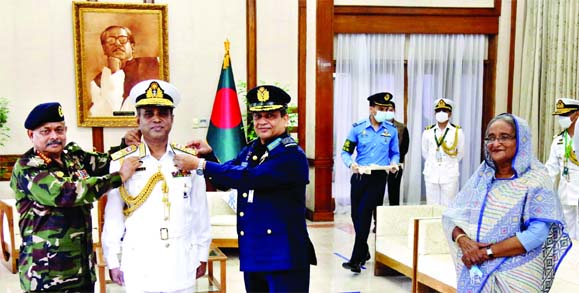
(490, 210)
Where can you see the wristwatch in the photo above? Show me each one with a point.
(199, 169)
(490, 252)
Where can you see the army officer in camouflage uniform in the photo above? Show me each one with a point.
(55, 184)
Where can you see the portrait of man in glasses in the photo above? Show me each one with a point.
(122, 70)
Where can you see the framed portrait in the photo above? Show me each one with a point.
(116, 46)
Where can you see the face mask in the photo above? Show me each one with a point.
(441, 117)
(380, 116)
(390, 115)
(565, 122)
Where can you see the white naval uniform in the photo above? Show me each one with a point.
(148, 262)
(568, 190)
(441, 175)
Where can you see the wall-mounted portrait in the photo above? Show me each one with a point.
(116, 46)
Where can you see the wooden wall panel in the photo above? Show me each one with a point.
(411, 24)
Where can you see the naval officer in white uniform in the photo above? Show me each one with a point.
(563, 165)
(442, 148)
(159, 217)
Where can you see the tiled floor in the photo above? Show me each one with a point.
(332, 242)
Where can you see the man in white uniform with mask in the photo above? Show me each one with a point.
(563, 165)
(442, 148)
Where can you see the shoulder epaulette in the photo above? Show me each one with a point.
(429, 127)
(288, 142)
(455, 125)
(359, 123)
(122, 153)
(182, 148)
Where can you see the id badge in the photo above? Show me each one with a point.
(438, 156)
(250, 198)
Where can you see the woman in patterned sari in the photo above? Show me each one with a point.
(505, 228)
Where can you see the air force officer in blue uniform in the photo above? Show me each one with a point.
(375, 140)
(270, 175)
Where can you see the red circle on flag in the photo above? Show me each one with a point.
(226, 112)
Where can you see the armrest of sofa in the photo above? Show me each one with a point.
(431, 239)
(394, 220)
(217, 206)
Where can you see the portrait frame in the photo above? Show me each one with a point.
(148, 24)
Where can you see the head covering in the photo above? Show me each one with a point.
(267, 98)
(382, 99)
(564, 106)
(443, 104)
(529, 192)
(154, 92)
(44, 113)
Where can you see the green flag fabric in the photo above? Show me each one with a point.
(225, 134)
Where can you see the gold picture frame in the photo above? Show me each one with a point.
(116, 45)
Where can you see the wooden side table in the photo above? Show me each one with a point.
(215, 254)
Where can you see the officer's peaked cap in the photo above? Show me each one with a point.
(382, 99)
(44, 113)
(265, 98)
(154, 92)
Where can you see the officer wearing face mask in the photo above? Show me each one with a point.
(375, 140)
(442, 148)
(563, 165)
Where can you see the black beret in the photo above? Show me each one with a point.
(267, 98)
(382, 99)
(44, 113)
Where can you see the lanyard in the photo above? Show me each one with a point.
(439, 142)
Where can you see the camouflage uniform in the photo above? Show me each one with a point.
(54, 203)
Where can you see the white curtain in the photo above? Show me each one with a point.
(548, 67)
(447, 66)
(365, 64)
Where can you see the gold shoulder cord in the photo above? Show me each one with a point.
(573, 158)
(451, 151)
(134, 202)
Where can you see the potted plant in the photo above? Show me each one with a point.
(4, 130)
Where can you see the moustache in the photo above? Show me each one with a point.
(54, 142)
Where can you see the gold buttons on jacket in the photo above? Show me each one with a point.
(241, 233)
(268, 231)
(254, 157)
(244, 195)
(241, 214)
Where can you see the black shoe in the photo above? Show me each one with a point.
(352, 267)
(367, 258)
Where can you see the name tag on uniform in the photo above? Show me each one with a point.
(250, 198)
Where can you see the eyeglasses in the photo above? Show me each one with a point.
(112, 40)
(500, 139)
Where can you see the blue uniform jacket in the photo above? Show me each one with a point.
(378, 147)
(271, 183)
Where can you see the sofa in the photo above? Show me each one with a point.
(410, 241)
(222, 210)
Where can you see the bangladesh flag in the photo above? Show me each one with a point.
(225, 134)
